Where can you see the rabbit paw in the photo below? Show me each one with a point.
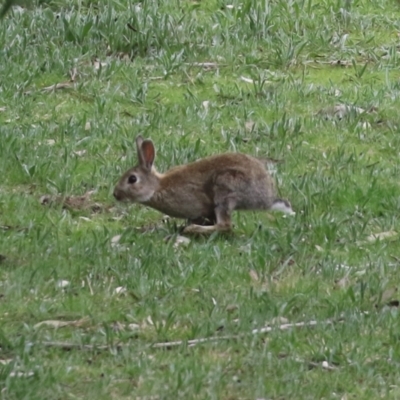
(200, 229)
(208, 229)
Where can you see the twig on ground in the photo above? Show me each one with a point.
(285, 327)
(193, 342)
(70, 346)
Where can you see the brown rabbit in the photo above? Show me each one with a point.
(210, 188)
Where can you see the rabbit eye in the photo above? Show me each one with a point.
(132, 179)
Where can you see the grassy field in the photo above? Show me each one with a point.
(89, 287)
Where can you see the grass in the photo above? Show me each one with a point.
(340, 175)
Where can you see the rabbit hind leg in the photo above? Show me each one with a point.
(223, 221)
(223, 215)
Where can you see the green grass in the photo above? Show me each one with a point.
(341, 177)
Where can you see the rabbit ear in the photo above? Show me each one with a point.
(139, 141)
(146, 152)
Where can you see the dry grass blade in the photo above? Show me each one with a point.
(61, 324)
(254, 276)
(249, 126)
(381, 236)
(324, 365)
(73, 74)
(90, 286)
(247, 80)
(57, 86)
(341, 111)
(341, 63)
(17, 374)
(205, 65)
(97, 64)
(131, 27)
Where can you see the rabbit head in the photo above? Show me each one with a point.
(140, 183)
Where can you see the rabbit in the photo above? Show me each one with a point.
(207, 189)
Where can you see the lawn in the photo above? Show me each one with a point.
(102, 300)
